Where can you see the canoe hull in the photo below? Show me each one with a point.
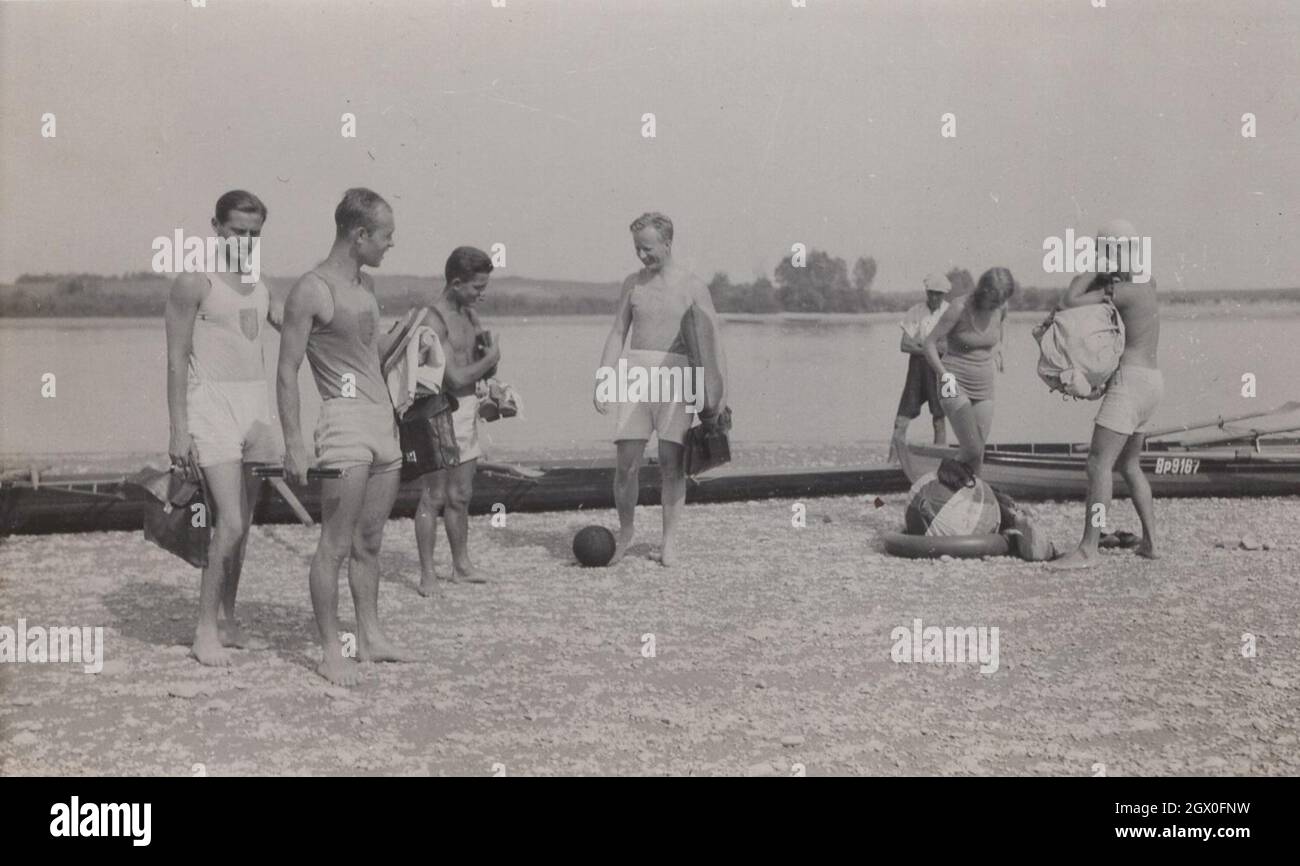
(1060, 471)
(118, 505)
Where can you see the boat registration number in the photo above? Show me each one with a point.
(1177, 466)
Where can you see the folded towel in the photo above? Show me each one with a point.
(419, 365)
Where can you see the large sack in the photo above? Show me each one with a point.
(1080, 349)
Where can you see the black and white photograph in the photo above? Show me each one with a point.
(651, 388)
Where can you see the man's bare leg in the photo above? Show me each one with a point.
(627, 486)
(460, 488)
(1102, 453)
(363, 569)
(1139, 488)
(672, 472)
(224, 483)
(898, 441)
(432, 503)
(341, 504)
(940, 431)
(232, 634)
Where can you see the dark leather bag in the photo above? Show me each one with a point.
(177, 514)
(708, 445)
(427, 436)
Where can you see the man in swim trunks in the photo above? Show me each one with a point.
(220, 410)
(1130, 401)
(652, 305)
(922, 385)
(332, 316)
(448, 491)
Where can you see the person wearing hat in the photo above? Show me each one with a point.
(1131, 399)
(921, 385)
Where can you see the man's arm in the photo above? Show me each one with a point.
(704, 302)
(306, 302)
(460, 376)
(622, 322)
(187, 293)
(1078, 294)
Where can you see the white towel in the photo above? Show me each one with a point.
(422, 364)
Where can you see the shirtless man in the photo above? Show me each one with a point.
(332, 316)
(220, 410)
(651, 306)
(448, 491)
(1131, 400)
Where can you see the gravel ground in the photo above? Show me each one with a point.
(772, 655)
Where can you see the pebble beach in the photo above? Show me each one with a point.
(769, 653)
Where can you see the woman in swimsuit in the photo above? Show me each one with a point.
(973, 328)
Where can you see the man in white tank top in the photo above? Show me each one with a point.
(219, 408)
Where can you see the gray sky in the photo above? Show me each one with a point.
(522, 125)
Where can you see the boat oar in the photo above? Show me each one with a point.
(1220, 421)
(275, 474)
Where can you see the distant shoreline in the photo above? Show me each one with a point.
(144, 296)
(1174, 311)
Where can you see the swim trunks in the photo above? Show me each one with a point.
(231, 422)
(667, 416)
(1131, 399)
(465, 422)
(353, 432)
(921, 387)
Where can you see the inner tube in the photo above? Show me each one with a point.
(935, 546)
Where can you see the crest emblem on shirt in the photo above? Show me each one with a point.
(367, 322)
(250, 322)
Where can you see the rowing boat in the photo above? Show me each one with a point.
(91, 503)
(1060, 470)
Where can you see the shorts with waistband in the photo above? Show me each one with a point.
(668, 416)
(353, 432)
(231, 422)
(465, 422)
(1131, 399)
(921, 388)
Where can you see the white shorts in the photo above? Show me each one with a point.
(668, 417)
(231, 422)
(465, 422)
(355, 432)
(1131, 399)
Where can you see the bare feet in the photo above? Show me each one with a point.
(1079, 559)
(621, 543)
(429, 584)
(381, 649)
(339, 670)
(208, 650)
(466, 573)
(668, 555)
(1146, 550)
(233, 635)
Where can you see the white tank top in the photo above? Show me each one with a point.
(227, 344)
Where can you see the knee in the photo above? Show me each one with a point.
(431, 502)
(1097, 466)
(458, 496)
(227, 535)
(333, 552)
(366, 541)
